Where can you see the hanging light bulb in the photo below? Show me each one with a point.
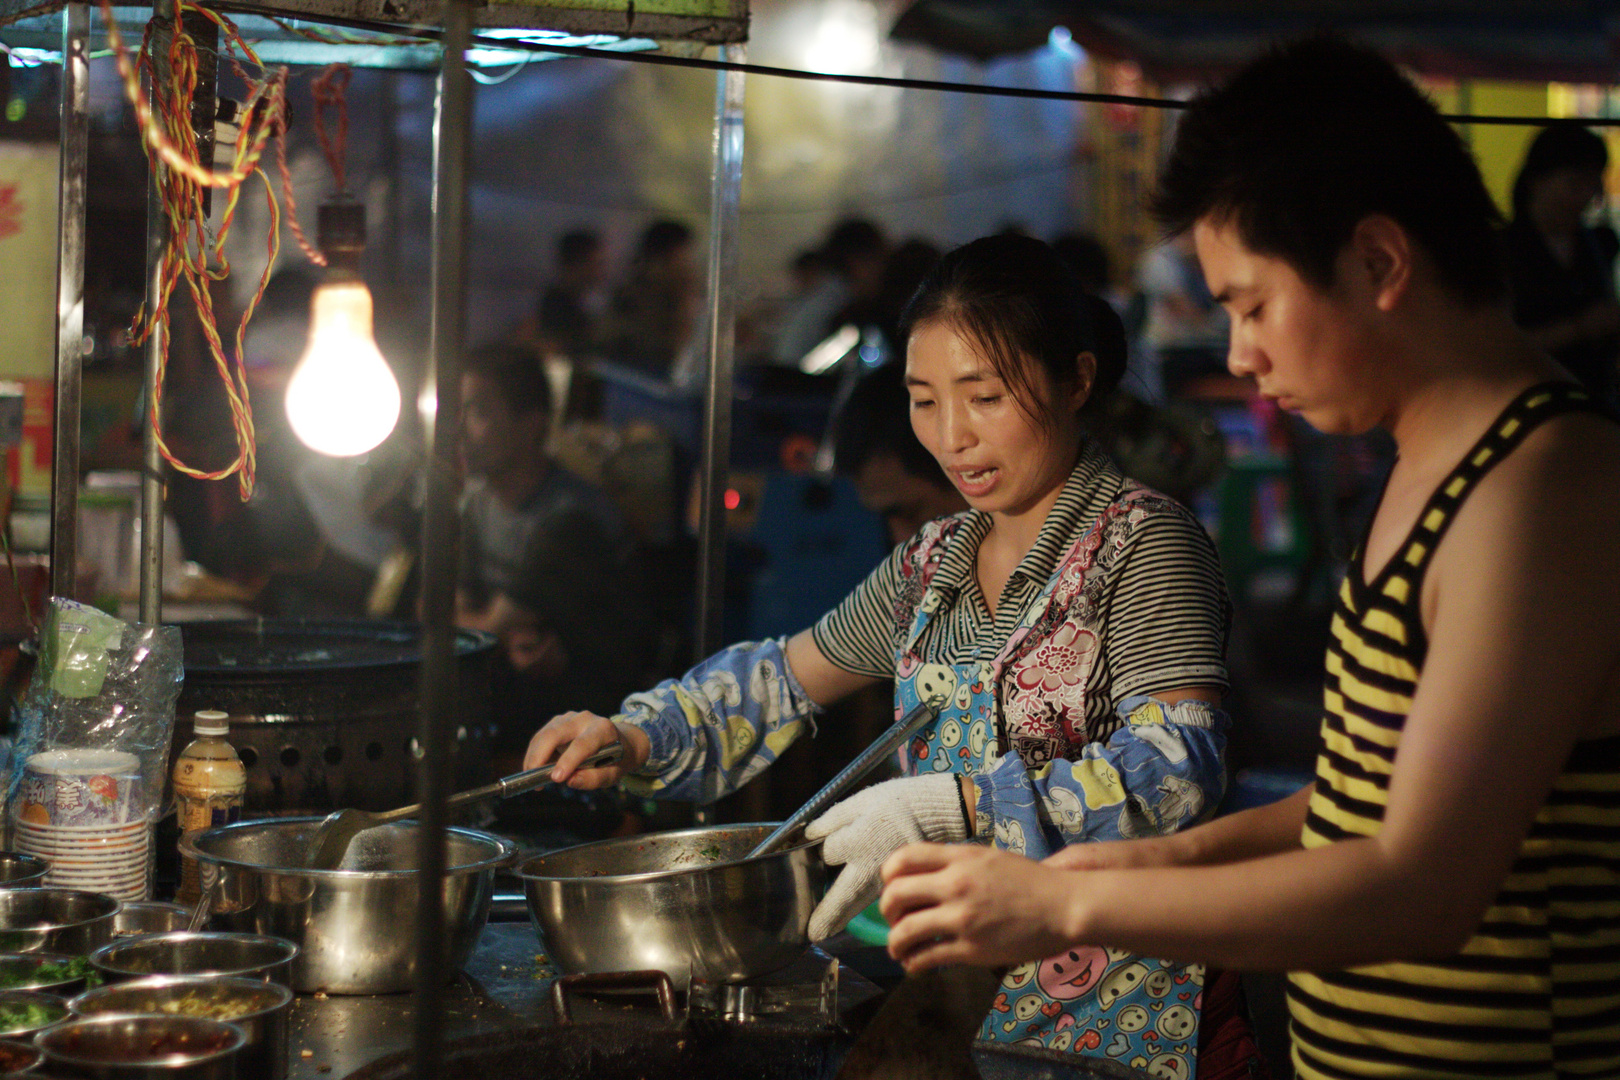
(342, 399)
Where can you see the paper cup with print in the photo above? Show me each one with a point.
(77, 789)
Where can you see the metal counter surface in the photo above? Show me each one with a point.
(506, 985)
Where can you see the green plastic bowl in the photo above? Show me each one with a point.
(869, 927)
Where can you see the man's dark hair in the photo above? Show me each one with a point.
(1567, 144)
(577, 245)
(850, 240)
(516, 372)
(1311, 138)
(662, 237)
(1021, 304)
(876, 419)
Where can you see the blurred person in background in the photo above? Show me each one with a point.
(571, 304)
(1560, 269)
(653, 318)
(895, 476)
(548, 565)
(852, 257)
(1183, 337)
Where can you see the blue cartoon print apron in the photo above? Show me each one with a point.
(1099, 1002)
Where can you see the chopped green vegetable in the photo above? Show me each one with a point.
(26, 1015)
(17, 974)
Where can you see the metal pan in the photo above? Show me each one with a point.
(688, 903)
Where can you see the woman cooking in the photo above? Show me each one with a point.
(1068, 630)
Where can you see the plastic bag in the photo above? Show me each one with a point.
(103, 693)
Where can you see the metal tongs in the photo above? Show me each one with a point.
(903, 729)
(331, 840)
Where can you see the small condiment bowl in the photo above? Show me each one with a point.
(252, 956)
(35, 971)
(55, 920)
(126, 1046)
(261, 1009)
(48, 1008)
(150, 917)
(21, 871)
(19, 1057)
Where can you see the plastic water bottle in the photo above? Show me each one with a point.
(209, 784)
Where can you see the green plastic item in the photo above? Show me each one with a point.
(869, 927)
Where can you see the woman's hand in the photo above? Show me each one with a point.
(967, 904)
(577, 735)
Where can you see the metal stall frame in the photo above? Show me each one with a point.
(451, 166)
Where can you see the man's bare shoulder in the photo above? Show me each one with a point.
(1555, 498)
(1574, 458)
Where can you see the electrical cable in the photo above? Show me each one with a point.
(192, 254)
(431, 33)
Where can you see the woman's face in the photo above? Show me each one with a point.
(1559, 199)
(998, 456)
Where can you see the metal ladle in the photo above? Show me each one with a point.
(331, 840)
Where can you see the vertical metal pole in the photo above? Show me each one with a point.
(71, 167)
(157, 239)
(724, 198)
(452, 124)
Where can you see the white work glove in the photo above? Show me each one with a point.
(867, 827)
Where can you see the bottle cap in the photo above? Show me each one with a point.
(211, 722)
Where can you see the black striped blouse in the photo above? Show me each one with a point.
(1164, 600)
(1536, 991)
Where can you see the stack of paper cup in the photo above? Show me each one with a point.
(80, 809)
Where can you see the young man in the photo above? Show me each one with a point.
(547, 562)
(1447, 893)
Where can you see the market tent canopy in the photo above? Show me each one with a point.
(621, 25)
(1192, 40)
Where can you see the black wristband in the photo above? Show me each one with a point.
(961, 802)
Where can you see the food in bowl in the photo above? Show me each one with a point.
(17, 1057)
(43, 971)
(28, 1015)
(124, 1041)
(149, 1046)
(215, 1008)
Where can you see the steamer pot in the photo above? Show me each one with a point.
(323, 712)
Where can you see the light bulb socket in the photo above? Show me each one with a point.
(341, 232)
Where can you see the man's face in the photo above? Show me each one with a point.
(905, 502)
(492, 436)
(1304, 348)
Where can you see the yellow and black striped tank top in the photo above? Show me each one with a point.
(1536, 991)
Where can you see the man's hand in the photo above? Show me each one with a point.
(572, 737)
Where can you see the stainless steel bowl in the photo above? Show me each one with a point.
(261, 1009)
(687, 903)
(19, 1057)
(23, 1012)
(55, 920)
(248, 956)
(19, 870)
(57, 973)
(354, 924)
(150, 917)
(126, 1046)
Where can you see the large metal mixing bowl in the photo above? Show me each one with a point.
(687, 903)
(353, 924)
